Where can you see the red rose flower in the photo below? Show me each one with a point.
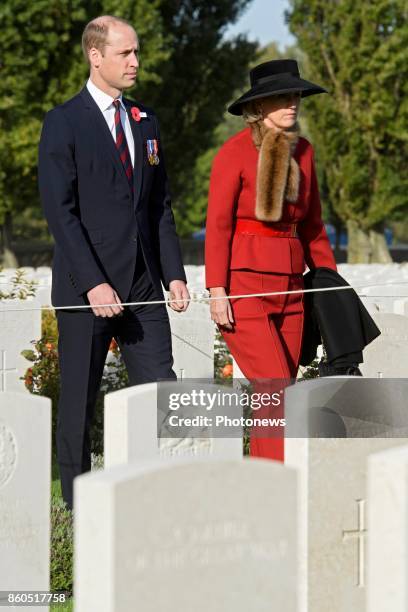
(227, 370)
(135, 113)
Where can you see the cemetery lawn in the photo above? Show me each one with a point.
(56, 494)
(66, 607)
(55, 481)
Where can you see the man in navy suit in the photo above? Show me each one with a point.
(104, 192)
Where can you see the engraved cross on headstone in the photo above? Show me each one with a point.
(4, 370)
(360, 534)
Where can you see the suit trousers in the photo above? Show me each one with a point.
(144, 338)
(266, 342)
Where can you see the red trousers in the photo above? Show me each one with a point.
(266, 339)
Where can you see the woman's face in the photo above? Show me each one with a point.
(280, 111)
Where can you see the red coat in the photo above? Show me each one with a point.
(232, 196)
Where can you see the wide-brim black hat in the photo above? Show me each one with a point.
(273, 78)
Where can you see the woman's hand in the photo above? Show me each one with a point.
(221, 311)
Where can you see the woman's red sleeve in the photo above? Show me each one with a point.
(225, 185)
(311, 230)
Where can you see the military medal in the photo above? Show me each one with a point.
(152, 150)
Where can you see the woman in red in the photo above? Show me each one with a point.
(263, 226)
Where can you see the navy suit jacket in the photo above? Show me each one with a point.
(95, 219)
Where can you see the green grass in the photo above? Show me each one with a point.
(55, 480)
(56, 491)
(68, 606)
(56, 488)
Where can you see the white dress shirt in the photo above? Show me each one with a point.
(105, 104)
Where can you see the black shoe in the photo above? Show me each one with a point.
(325, 369)
(353, 370)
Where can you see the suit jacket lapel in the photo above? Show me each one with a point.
(103, 132)
(138, 152)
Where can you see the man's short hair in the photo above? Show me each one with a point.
(96, 33)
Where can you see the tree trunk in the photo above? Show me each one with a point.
(7, 257)
(380, 250)
(366, 246)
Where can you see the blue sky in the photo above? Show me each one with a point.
(264, 21)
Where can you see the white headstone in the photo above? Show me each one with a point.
(43, 271)
(387, 355)
(25, 475)
(196, 536)
(130, 432)
(384, 297)
(193, 335)
(43, 295)
(195, 277)
(382, 280)
(387, 521)
(332, 484)
(18, 329)
(401, 307)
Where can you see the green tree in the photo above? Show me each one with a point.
(186, 72)
(41, 66)
(357, 49)
(196, 199)
(31, 34)
(198, 80)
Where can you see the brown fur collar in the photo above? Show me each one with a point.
(278, 173)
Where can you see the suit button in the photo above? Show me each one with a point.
(134, 238)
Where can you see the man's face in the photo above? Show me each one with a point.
(117, 66)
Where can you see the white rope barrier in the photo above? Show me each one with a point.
(203, 298)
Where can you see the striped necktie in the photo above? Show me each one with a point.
(121, 144)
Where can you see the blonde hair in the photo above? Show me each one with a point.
(96, 33)
(251, 112)
(253, 117)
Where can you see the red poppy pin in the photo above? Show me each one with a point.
(137, 114)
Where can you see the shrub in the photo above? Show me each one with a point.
(21, 287)
(310, 371)
(42, 378)
(61, 546)
(222, 359)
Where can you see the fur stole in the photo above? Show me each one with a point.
(278, 174)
